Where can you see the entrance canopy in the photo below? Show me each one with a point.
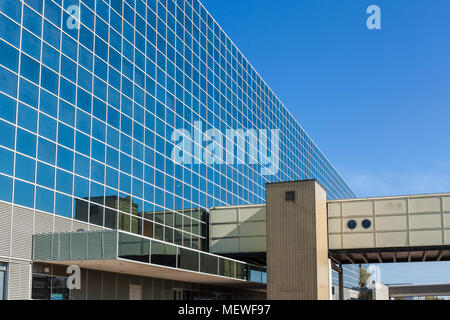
(121, 252)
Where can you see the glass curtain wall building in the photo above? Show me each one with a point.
(115, 113)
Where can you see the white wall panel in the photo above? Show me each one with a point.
(384, 207)
(252, 214)
(424, 205)
(392, 223)
(425, 238)
(224, 216)
(392, 239)
(335, 241)
(357, 208)
(358, 240)
(425, 221)
(334, 225)
(334, 209)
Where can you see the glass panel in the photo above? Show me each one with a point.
(96, 214)
(164, 254)
(110, 219)
(41, 287)
(59, 289)
(148, 229)
(81, 210)
(23, 194)
(241, 271)
(227, 268)
(134, 248)
(5, 188)
(188, 260)
(209, 264)
(44, 199)
(124, 221)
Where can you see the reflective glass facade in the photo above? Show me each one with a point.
(94, 95)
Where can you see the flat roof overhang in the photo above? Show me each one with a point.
(105, 251)
(391, 255)
(153, 271)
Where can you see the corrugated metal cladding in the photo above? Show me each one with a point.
(19, 280)
(5, 229)
(17, 226)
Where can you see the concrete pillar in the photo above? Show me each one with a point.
(297, 241)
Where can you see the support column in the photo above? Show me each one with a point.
(297, 241)
(341, 283)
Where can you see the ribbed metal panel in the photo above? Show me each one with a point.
(95, 245)
(95, 228)
(14, 281)
(123, 287)
(25, 281)
(147, 289)
(109, 286)
(79, 246)
(168, 289)
(62, 225)
(19, 281)
(80, 226)
(43, 223)
(42, 247)
(22, 233)
(94, 290)
(5, 228)
(55, 247)
(158, 289)
(64, 246)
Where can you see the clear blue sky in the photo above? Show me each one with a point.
(376, 102)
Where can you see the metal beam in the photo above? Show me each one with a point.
(379, 258)
(364, 257)
(334, 260)
(394, 255)
(441, 254)
(409, 256)
(336, 267)
(424, 257)
(349, 259)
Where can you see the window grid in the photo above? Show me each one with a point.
(183, 69)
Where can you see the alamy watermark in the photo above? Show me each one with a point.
(233, 147)
(74, 19)
(374, 20)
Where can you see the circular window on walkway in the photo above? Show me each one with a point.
(366, 224)
(351, 224)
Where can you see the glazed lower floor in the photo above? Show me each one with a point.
(39, 281)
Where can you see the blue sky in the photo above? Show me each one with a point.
(376, 102)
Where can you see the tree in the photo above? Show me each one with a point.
(364, 292)
(364, 276)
